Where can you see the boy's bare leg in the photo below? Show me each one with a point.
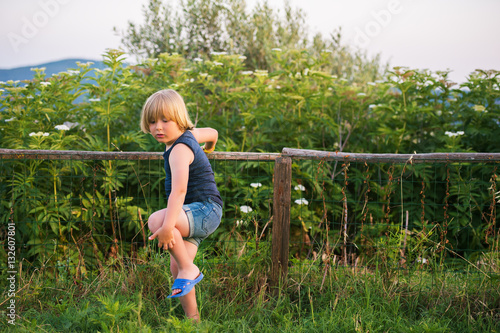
(182, 257)
(186, 269)
(188, 301)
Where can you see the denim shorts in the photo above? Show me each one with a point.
(203, 217)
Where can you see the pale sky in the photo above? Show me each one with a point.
(460, 35)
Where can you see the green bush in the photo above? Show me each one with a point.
(297, 105)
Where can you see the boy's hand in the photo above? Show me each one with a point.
(165, 238)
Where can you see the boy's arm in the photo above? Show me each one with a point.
(208, 136)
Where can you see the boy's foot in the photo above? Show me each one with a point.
(182, 287)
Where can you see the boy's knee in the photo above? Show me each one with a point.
(154, 222)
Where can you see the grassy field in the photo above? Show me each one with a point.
(130, 296)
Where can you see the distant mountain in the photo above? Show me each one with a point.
(25, 73)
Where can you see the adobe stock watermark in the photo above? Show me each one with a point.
(380, 19)
(32, 25)
(11, 273)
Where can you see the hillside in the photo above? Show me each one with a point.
(25, 73)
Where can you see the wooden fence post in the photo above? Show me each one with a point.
(281, 220)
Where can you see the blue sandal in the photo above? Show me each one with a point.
(185, 286)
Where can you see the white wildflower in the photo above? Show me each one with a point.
(239, 222)
(198, 59)
(72, 72)
(361, 94)
(453, 134)
(299, 188)
(371, 83)
(259, 72)
(62, 128)
(219, 53)
(45, 84)
(11, 119)
(326, 51)
(246, 73)
(372, 106)
(302, 201)
(479, 108)
(306, 71)
(242, 57)
(94, 99)
(256, 185)
(422, 260)
(203, 74)
(246, 209)
(39, 134)
(276, 49)
(70, 124)
(216, 63)
(85, 64)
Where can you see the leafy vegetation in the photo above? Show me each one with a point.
(129, 295)
(197, 29)
(77, 219)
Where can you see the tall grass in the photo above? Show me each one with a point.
(129, 295)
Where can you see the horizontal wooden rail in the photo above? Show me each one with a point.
(303, 154)
(395, 158)
(99, 155)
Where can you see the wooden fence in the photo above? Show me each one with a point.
(282, 178)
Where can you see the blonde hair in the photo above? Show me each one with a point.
(165, 103)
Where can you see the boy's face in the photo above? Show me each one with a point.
(164, 130)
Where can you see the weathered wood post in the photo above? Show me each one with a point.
(281, 220)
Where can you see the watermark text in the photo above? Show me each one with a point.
(31, 26)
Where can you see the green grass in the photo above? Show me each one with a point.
(130, 296)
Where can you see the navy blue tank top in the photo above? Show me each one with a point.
(201, 183)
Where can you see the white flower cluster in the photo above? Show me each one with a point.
(246, 209)
(39, 134)
(299, 188)
(453, 134)
(302, 201)
(259, 72)
(479, 108)
(62, 127)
